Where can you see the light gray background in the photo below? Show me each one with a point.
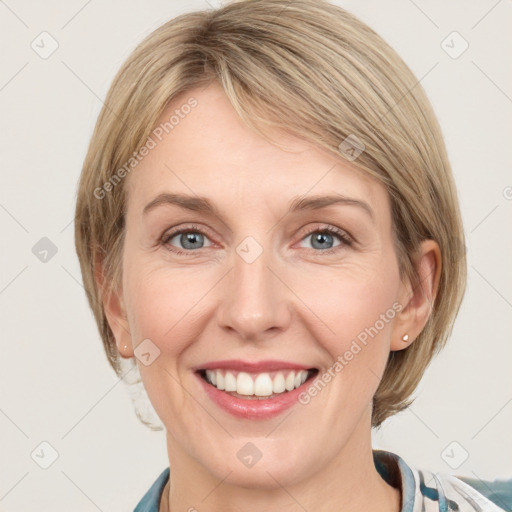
(55, 383)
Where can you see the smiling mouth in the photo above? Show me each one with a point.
(257, 386)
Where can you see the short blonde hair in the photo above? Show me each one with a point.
(318, 72)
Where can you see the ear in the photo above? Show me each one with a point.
(417, 301)
(115, 312)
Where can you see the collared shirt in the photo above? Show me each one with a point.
(421, 490)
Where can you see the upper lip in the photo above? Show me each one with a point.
(267, 365)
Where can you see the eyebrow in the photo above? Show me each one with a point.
(203, 204)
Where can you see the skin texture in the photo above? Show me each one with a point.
(294, 302)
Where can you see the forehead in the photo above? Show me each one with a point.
(208, 150)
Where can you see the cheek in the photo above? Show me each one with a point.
(164, 304)
(165, 307)
(349, 303)
(354, 314)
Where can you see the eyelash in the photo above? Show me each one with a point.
(331, 230)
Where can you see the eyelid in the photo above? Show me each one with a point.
(170, 234)
(346, 240)
(329, 228)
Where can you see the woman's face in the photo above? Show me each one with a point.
(256, 287)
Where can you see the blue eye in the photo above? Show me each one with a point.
(322, 239)
(189, 238)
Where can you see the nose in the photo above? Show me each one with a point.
(255, 302)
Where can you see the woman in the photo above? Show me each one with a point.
(268, 228)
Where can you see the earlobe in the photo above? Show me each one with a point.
(118, 322)
(113, 307)
(418, 300)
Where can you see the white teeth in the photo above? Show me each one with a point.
(211, 376)
(220, 380)
(229, 382)
(261, 384)
(244, 384)
(300, 378)
(290, 381)
(278, 383)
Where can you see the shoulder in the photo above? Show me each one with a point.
(424, 490)
(465, 494)
(499, 491)
(150, 502)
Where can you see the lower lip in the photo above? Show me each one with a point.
(260, 409)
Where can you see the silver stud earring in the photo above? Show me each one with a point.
(405, 338)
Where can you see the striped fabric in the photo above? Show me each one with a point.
(427, 491)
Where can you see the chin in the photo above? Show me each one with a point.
(261, 463)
